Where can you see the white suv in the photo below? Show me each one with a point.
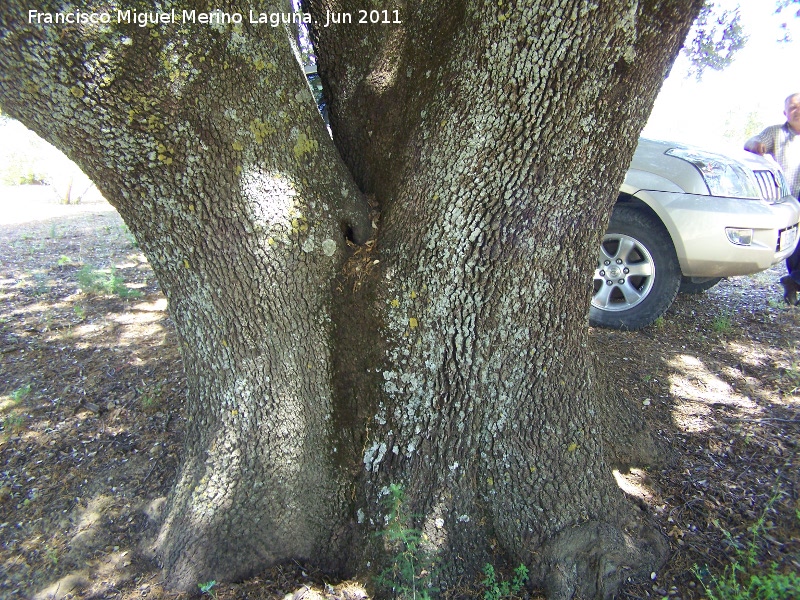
(684, 219)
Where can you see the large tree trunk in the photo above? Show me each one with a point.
(212, 150)
(517, 124)
(449, 356)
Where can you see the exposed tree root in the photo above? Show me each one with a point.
(594, 559)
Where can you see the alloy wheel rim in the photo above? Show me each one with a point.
(625, 273)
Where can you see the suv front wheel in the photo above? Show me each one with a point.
(637, 275)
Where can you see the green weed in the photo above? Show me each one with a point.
(100, 281)
(660, 323)
(21, 393)
(500, 590)
(747, 578)
(64, 260)
(722, 323)
(208, 588)
(410, 574)
(79, 311)
(41, 283)
(13, 423)
(739, 583)
(149, 399)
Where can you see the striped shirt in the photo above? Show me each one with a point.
(784, 146)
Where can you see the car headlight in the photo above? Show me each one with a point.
(723, 176)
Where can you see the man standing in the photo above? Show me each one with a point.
(782, 142)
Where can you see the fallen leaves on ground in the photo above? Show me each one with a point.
(91, 408)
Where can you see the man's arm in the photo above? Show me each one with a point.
(755, 145)
(764, 142)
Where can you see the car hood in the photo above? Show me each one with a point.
(651, 157)
(649, 150)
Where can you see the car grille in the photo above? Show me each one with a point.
(771, 184)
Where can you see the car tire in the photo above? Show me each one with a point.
(637, 275)
(690, 287)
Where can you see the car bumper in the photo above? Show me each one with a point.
(698, 224)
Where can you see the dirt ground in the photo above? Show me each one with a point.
(91, 417)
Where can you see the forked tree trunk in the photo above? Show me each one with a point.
(452, 358)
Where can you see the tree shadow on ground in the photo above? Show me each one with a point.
(719, 383)
(91, 389)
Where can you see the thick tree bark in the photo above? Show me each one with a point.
(516, 124)
(451, 359)
(208, 143)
